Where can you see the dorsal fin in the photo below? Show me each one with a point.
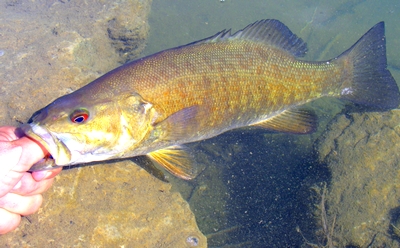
(271, 32)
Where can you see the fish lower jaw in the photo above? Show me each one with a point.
(44, 164)
(59, 154)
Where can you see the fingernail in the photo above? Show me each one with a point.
(40, 175)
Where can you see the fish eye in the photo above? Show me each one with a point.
(79, 116)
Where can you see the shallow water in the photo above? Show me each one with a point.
(254, 190)
(267, 177)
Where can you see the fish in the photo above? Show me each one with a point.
(255, 77)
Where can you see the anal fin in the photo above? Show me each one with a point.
(296, 121)
(175, 160)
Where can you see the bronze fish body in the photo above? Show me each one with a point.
(254, 77)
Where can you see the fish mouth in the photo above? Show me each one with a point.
(59, 153)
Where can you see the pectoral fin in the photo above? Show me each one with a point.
(297, 121)
(177, 125)
(175, 160)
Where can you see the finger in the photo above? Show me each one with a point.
(9, 133)
(46, 174)
(16, 157)
(29, 186)
(23, 205)
(8, 176)
(10, 156)
(9, 221)
(32, 153)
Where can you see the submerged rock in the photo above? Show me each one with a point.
(51, 48)
(361, 151)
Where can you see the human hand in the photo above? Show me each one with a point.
(20, 191)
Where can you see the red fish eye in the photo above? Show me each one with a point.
(79, 116)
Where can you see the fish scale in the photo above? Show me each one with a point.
(229, 83)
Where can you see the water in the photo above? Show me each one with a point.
(255, 190)
(267, 178)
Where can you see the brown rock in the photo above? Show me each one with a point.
(48, 49)
(361, 150)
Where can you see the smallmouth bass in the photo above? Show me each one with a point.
(254, 77)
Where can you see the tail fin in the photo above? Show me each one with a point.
(372, 84)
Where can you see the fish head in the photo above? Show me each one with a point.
(79, 129)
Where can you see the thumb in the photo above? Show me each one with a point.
(9, 158)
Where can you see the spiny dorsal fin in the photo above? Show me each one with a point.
(175, 160)
(271, 32)
(297, 120)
